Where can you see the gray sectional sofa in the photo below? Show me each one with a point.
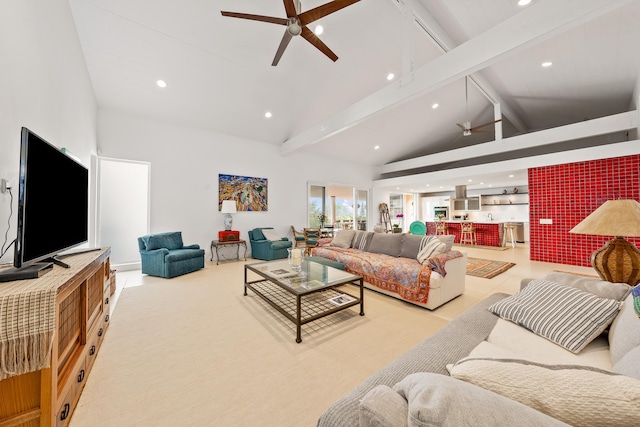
(433, 384)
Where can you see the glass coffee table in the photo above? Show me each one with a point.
(304, 296)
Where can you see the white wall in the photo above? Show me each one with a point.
(185, 163)
(45, 86)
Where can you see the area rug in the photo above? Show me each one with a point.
(486, 268)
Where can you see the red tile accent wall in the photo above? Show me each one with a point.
(567, 194)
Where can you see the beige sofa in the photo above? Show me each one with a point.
(481, 369)
(389, 264)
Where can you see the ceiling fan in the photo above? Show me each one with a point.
(467, 130)
(296, 23)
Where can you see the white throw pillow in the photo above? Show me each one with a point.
(270, 234)
(432, 248)
(566, 316)
(524, 344)
(577, 395)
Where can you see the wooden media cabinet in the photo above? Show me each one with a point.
(47, 397)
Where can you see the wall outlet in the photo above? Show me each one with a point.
(4, 185)
(546, 221)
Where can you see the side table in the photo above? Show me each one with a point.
(217, 244)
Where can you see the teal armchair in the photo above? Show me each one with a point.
(165, 255)
(267, 250)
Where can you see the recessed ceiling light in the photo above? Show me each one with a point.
(268, 114)
(390, 76)
(510, 176)
(470, 180)
(546, 64)
(318, 30)
(436, 105)
(428, 185)
(377, 147)
(523, 2)
(161, 83)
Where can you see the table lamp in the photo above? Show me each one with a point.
(619, 260)
(228, 208)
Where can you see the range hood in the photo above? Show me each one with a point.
(461, 192)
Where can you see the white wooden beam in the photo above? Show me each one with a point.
(454, 176)
(594, 127)
(533, 25)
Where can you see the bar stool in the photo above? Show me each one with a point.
(468, 235)
(441, 227)
(509, 230)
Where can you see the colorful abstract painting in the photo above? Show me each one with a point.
(249, 193)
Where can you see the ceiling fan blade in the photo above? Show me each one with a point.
(283, 45)
(318, 12)
(484, 124)
(261, 18)
(290, 7)
(461, 126)
(314, 40)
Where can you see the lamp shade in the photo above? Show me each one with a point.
(612, 218)
(228, 207)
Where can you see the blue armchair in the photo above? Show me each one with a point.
(164, 255)
(267, 250)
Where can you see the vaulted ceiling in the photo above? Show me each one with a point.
(219, 74)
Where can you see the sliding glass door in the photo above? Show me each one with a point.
(337, 206)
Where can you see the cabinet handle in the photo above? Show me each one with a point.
(106, 300)
(65, 412)
(81, 376)
(106, 318)
(100, 332)
(92, 350)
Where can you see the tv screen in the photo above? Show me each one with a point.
(53, 201)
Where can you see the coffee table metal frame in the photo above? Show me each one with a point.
(305, 297)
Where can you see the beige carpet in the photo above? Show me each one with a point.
(193, 351)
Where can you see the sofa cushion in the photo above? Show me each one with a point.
(438, 400)
(343, 238)
(382, 407)
(171, 240)
(596, 286)
(624, 334)
(448, 240)
(412, 244)
(576, 395)
(270, 234)
(388, 244)
(629, 364)
(182, 254)
(432, 248)
(362, 240)
(566, 316)
(522, 343)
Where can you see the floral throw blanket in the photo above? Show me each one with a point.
(404, 276)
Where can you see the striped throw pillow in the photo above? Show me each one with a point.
(566, 316)
(430, 249)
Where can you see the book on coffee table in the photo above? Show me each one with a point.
(282, 272)
(341, 299)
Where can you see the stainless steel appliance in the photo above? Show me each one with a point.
(441, 211)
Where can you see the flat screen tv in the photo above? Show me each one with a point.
(53, 202)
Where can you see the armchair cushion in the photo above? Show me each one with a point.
(170, 240)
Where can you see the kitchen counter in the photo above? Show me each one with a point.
(488, 233)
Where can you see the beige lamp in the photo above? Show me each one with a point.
(619, 260)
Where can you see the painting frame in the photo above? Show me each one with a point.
(250, 193)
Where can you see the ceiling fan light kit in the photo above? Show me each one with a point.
(296, 23)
